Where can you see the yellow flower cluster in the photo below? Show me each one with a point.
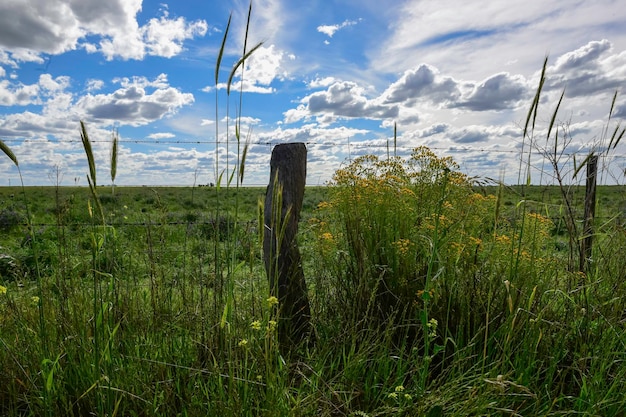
(403, 246)
(271, 325)
(272, 301)
(432, 327)
(503, 239)
(397, 393)
(323, 205)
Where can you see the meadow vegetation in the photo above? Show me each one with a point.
(431, 295)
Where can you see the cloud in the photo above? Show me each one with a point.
(590, 69)
(582, 57)
(164, 37)
(470, 134)
(94, 85)
(18, 94)
(133, 105)
(416, 91)
(321, 82)
(58, 26)
(33, 125)
(422, 83)
(137, 102)
(342, 99)
(244, 120)
(435, 129)
(512, 36)
(163, 135)
(330, 30)
(498, 92)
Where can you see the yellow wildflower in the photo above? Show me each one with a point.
(256, 325)
(503, 239)
(432, 326)
(399, 388)
(272, 301)
(35, 300)
(243, 343)
(3, 290)
(271, 325)
(323, 205)
(403, 245)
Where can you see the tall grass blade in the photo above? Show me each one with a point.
(553, 119)
(532, 112)
(114, 156)
(532, 116)
(395, 138)
(238, 64)
(612, 105)
(89, 152)
(621, 135)
(94, 194)
(582, 164)
(615, 138)
(220, 55)
(245, 39)
(242, 165)
(245, 49)
(8, 152)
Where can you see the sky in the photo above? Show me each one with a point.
(456, 76)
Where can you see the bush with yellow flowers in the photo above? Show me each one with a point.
(398, 238)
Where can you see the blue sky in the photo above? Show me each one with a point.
(456, 76)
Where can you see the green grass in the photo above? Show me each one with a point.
(152, 344)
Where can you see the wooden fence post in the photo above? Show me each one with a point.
(590, 212)
(283, 202)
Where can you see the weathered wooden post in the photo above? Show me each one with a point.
(590, 212)
(283, 202)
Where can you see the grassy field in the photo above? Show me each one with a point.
(429, 295)
(481, 314)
